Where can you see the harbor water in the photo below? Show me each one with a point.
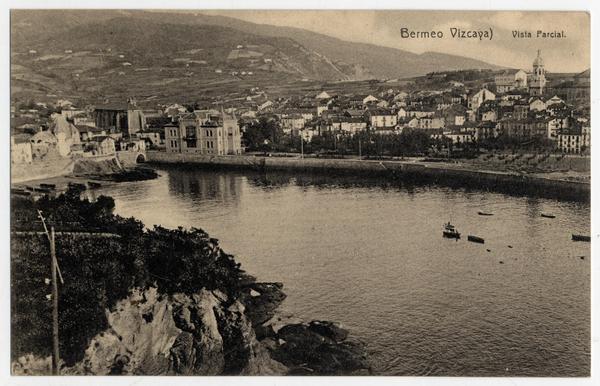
(370, 255)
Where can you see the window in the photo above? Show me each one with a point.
(190, 131)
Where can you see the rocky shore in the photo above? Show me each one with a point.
(157, 301)
(208, 334)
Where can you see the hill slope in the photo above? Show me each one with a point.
(106, 53)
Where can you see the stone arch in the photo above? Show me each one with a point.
(140, 159)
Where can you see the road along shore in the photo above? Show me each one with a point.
(417, 172)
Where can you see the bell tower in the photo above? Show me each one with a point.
(537, 81)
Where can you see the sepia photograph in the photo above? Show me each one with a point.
(268, 192)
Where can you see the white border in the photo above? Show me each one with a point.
(592, 6)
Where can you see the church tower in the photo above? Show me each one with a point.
(537, 81)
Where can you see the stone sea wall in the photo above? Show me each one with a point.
(39, 170)
(419, 172)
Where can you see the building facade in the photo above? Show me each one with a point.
(537, 79)
(218, 135)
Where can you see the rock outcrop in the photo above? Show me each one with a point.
(209, 334)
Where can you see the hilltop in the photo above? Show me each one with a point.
(105, 54)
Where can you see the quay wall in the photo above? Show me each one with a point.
(39, 170)
(129, 158)
(412, 172)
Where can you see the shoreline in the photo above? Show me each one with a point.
(418, 172)
(218, 320)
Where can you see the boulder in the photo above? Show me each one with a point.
(261, 300)
(319, 348)
(328, 329)
(132, 345)
(199, 348)
(263, 331)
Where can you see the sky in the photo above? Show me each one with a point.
(568, 54)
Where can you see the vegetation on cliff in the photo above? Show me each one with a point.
(99, 271)
(151, 301)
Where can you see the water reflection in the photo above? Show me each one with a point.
(205, 186)
(369, 254)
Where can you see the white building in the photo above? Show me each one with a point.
(574, 141)
(510, 80)
(479, 97)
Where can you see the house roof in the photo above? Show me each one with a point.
(87, 128)
(101, 138)
(116, 106)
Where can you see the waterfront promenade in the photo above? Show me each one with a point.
(454, 174)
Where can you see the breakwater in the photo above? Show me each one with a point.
(410, 172)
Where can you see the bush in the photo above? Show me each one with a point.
(99, 271)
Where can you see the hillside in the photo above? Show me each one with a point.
(111, 54)
(381, 62)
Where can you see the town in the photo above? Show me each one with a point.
(300, 192)
(468, 114)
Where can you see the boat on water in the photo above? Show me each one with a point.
(94, 185)
(476, 239)
(450, 231)
(575, 237)
(76, 185)
(20, 192)
(547, 215)
(485, 213)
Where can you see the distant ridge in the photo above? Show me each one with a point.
(333, 58)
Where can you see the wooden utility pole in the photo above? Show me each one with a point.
(301, 145)
(55, 269)
(359, 150)
(53, 265)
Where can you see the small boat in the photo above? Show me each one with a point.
(48, 186)
(450, 231)
(575, 237)
(19, 192)
(485, 213)
(547, 215)
(476, 239)
(94, 185)
(42, 190)
(75, 185)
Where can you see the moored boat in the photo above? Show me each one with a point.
(575, 237)
(476, 239)
(20, 192)
(547, 215)
(484, 213)
(450, 232)
(78, 186)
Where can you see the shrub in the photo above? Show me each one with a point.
(99, 270)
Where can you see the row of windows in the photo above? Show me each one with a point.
(190, 132)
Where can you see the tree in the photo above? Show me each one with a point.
(100, 271)
(263, 135)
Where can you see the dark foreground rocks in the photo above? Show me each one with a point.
(208, 333)
(124, 175)
(318, 348)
